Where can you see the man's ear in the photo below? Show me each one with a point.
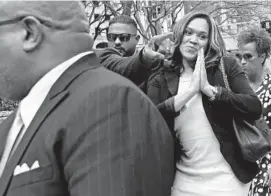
(137, 37)
(33, 33)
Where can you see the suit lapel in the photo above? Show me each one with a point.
(85, 63)
(4, 130)
(172, 81)
(43, 112)
(57, 94)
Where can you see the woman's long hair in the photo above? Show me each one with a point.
(215, 47)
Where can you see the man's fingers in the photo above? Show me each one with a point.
(151, 43)
(157, 39)
(160, 56)
(163, 37)
(151, 54)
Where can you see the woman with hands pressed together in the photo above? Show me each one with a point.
(191, 95)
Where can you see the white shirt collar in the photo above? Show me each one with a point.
(32, 102)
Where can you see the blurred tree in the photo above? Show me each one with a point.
(99, 13)
(156, 14)
(234, 12)
(151, 16)
(240, 11)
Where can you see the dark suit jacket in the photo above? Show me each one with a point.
(95, 134)
(242, 103)
(132, 67)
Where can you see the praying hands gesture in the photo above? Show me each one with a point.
(182, 98)
(205, 85)
(196, 76)
(199, 80)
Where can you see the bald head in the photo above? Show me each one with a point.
(37, 36)
(58, 14)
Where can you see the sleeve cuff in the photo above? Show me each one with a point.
(169, 104)
(223, 94)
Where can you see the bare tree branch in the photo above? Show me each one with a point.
(150, 23)
(197, 5)
(112, 10)
(140, 29)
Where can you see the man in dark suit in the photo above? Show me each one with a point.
(79, 129)
(121, 55)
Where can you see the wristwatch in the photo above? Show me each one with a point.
(214, 95)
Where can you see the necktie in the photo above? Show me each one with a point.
(12, 138)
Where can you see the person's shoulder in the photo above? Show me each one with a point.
(107, 51)
(157, 73)
(102, 77)
(119, 88)
(231, 63)
(157, 78)
(229, 58)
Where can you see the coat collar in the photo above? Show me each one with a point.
(85, 63)
(57, 94)
(172, 76)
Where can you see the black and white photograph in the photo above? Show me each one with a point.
(135, 98)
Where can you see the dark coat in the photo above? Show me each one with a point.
(95, 133)
(241, 102)
(133, 67)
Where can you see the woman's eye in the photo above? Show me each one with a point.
(202, 36)
(188, 32)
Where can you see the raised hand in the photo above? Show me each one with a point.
(149, 52)
(195, 84)
(203, 75)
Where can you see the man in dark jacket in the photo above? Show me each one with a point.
(121, 56)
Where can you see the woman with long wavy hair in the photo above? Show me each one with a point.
(191, 95)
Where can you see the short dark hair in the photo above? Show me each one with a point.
(123, 19)
(257, 35)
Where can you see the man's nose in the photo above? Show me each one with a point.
(243, 61)
(117, 41)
